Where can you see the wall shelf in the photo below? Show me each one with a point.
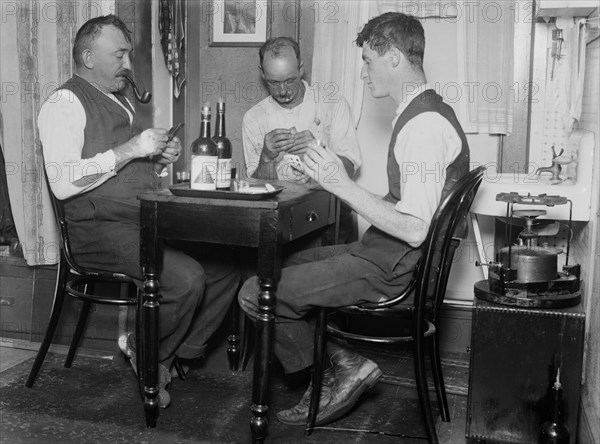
(565, 8)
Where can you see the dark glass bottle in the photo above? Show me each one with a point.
(554, 431)
(223, 150)
(203, 172)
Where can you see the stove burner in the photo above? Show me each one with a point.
(526, 274)
(542, 199)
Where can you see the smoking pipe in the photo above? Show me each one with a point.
(144, 97)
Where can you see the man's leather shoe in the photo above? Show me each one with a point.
(342, 385)
(354, 374)
(298, 414)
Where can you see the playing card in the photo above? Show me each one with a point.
(294, 161)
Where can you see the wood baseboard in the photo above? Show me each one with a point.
(57, 348)
(456, 329)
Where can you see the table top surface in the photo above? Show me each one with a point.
(291, 193)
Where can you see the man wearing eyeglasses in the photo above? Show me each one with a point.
(293, 116)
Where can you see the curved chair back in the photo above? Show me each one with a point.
(430, 278)
(448, 226)
(66, 251)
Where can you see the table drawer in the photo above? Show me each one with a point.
(309, 216)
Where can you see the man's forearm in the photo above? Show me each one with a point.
(383, 215)
(124, 154)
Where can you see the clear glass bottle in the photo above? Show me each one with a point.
(554, 431)
(223, 150)
(203, 169)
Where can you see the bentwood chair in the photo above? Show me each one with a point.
(80, 283)
(417, 321)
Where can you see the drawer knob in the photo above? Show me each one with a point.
(311, 216)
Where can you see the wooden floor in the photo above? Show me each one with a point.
(96, 401)
(10, 356)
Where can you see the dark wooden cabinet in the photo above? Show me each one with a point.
(515, 353)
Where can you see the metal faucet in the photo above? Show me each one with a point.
(555, 168)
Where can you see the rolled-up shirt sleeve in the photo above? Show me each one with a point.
(343, 137)
(61, 124)
(424, 148)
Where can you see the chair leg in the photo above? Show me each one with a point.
(247, 341)
(233, 339)
(85, 309)
(422, 389)
(123, 311)
(438, 378)
(59, 297)
(179, 369)
(317, 370)
(139, 342)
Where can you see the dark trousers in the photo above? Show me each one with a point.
(322, 277)
(195, 294)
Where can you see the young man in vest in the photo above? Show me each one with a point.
(98, 159)
(428, 153)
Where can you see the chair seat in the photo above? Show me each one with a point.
(339, 333)
(73, 285)
(400, 310)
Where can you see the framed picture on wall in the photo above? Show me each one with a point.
(239, 22)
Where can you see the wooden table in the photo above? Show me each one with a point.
(263, 224)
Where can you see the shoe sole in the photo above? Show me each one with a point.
(365, 384)
(124, 347)
(129, 352)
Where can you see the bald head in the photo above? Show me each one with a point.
(282, 71)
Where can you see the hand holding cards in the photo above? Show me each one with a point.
(294, 161)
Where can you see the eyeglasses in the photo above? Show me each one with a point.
(286, 83)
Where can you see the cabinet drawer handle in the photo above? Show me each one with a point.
(312, 216)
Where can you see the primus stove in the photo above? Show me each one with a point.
(526, 274)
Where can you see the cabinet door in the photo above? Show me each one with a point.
(514, 357)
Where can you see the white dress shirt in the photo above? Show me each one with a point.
(424, 148)
(325, 113)
(61, 123)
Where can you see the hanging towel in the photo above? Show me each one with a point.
(572, 75)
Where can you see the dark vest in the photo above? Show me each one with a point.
(379, 247)
(107, 126)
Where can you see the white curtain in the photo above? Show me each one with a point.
(488, 45)
(337, 62)
(484, 36)
(35, 58)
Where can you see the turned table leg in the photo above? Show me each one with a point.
(262, 359)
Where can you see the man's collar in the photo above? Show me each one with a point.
(411, 91)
